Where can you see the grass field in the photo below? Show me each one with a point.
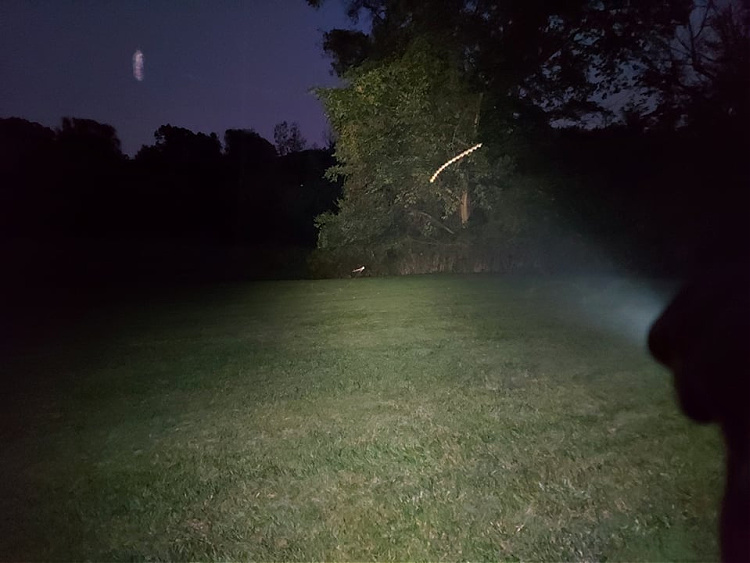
(418, 418)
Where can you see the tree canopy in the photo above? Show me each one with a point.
(566, 59)
(288, 138)
(431, 78)
(397, 123)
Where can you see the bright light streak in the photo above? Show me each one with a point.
(454, 159)
(138, 65)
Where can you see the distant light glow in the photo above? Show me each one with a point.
(454, 159)
(138, 65)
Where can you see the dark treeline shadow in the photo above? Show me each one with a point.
(663, 202)
(81, 221)
(74, 209)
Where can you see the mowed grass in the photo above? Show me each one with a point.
(418, 418)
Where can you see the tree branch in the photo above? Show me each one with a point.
(433, 220)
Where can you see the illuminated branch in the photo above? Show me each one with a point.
(454, 159)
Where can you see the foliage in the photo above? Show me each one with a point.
(396, 124)
(89, 162)
(174, 171)
(75, 181)
(536, 59)
(288, 138)
(246, 147)
(516, 229)
(57, 179)
(675, 71)
(303, 193)
(581, 62)
(179, 147)
(90, 140)
(351, 47)
(702, 77)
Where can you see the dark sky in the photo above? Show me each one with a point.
(209, 65)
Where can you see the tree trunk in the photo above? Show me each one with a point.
(463, 208)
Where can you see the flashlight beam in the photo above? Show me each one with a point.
(454, 159)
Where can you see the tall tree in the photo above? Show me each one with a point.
(536, 59)
(247, 146)
(288, 138)
(539, 65)
(702, 76)
(90, 162)
(396, 125)
(30, 174)
(183, 169)
(250, 164)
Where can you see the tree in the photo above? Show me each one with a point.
(247, 146)
(544, 65)
(250, 164)
(304, 193)
(183, 176)
(702, 76)
(177, 145)
(397, 123)
(90, 163)
(329, 139)
(30, 171)
(536, 60)
(288, 138)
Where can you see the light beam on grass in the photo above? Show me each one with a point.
(454, 159)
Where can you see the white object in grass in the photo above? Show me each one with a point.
(358, 270)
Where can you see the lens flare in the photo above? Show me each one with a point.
(138, 65)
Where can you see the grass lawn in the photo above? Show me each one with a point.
(417, 418)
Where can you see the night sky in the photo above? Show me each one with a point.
(209, 66)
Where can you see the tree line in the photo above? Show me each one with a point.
(565, 177)
(74, 181)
